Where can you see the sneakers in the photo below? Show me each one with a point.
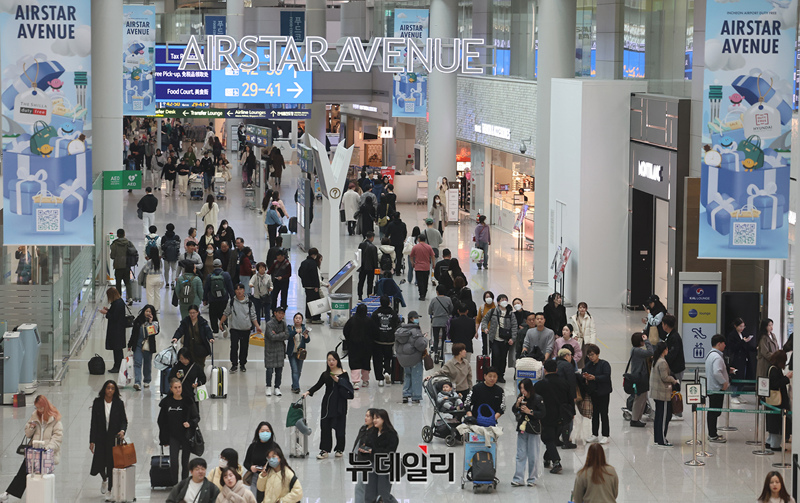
(556, 468)
(356, 385)
(405, 399)
(3, 497)
(104, 487)
(388, 378)
(592, 439)
(517, 484)
(296, 391)
(137, 387)
(338, 454)
(244, 369)
(665, 445)
(677, 417)
(322, 455)
(637, 424)
(234, 369)
(269, 391)
(416, 402)
(570, 445)
(547, 463)
(380, 383)
(736, 400)
(603, 440)
(531, 484)
(277, 391)
(147, 385)
(719, 439)
(365, 383)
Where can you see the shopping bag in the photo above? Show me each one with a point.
(476, 255)
(124, 454)
(166, 358)
(39, 461)
(653, 335)
(201, 392)
(753, 155)
(125, 377)
(257, 340)
(319, 306)
(677, 403)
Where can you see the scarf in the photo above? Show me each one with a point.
(235, 495)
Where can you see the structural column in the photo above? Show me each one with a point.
(523, 60)
(354, 20)
(315, 27)
(442, 94)
(610, 38)
(106, 89)
(556, 60)
(234, 13)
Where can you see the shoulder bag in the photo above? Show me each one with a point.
(124, 454)
(774, 397)
(629, 380)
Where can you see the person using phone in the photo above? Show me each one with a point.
(737, 352)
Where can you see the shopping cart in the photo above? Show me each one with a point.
(196, 187)
(250, 198)
(475, 443)
(220, 186)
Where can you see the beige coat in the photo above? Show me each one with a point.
(209, 216)
(214, 476)
(766, 346)
(239, 494)
(661, 381)
(584, 329)
(51, 433)
(460, 374)
(276, 488)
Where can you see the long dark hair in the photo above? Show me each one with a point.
(155, 258)
(258, 428)
(596, 460)
(762, 328)
(232, 457)
(766, 493)
(210, 200)
(528, 385)
(336, 356)
(140, 319)
(284, 464)
(387, 423)
(660, 347)
(102, 393)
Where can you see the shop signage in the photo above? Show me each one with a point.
(491, 130)
(410, 87)
(693, 393)
(293, 24)
(216, 25)
(748, 84)
(650, 171)
(282, 54)
(365, 108)
(122, 180)
(138, 46)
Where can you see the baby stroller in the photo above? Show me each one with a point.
(441, 426)
(627, 411)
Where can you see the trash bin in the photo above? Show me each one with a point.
(12, 364)
(29, 370)
(340, 309)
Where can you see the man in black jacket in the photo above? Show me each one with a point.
(207, 166)
(486, 392)
(207, 493)
(674, 358)
(385, 321)
(462, 329)
(441, 271)
(309, 277)
(148, 205)
(554, 392)
(397, 232)
(369, 262)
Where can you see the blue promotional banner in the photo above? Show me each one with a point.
(747, 111)
(410, 89)
(216, 25)
(138, 67)
(293, 24)
(45, 51)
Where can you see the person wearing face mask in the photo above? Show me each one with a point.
(411, 345)
(277, 481)
(255, 459)
(228, 459)
(520, 315)
(233, 489)
(436, 213)
(207, 243)
(486, 308)
(499, 325)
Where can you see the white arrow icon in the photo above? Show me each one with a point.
(298, 90)
(272, 113)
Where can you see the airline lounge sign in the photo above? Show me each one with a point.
(280, 53)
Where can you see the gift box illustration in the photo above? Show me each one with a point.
(48, 212)
(40, 73)
(735, 184)
(719, 212)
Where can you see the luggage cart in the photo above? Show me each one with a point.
(474, 443)
(195, 187)
(528, 368)
(299, 442)
(220, 186)
(250, 198)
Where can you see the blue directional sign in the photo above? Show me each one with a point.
(288, 86)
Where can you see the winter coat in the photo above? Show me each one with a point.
(357, 332)
(115, 331)
(566, 371)
(369, 256)
(675, 358)
(737, 351)
(51, 432)
(167, 428)
(119, 252)
(555, 393)
(409, 344)
(387, 250)
(240, 493)
(602, 373)
(555, 317)
(396, 231)
(275, 335)
(482, 234)
(767, 345)
(778, 381)
(639, 358)
(497, 318)
(437, 214)
(309, 273)
(584, 329)
(384, 324)
(208, 493)
(103, 437)
(350, 205)
(459, 373)
(209, 216)
(532, 421)
(275, 487)
(440, 308)
(661, 381)
(184, 329)
(188, 375)
(294, 334)
(334, 401)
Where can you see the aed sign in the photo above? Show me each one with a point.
(651, 171)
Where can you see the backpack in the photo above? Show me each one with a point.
(132, 256)
(249, 304)
(171, 249)
(152, 243)
(386, 262)
(186, 293)
(217, 287)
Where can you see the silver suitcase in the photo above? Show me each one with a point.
(124, 486)
(299, 442)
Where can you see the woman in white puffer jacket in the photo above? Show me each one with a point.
(44, 426)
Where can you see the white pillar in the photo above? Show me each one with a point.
(234, 13)
(442, 90)
(316, 27)
(610, 38)
(556, 60)
(107, 105)
(354, 20)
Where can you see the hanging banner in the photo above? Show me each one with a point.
(293, 24)
(45, 52)
(138, 56)
(216, 25)
(747, 113)
(410, 89)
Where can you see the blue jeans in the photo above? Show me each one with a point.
(140, 359)
(262, 306)
(412, 382)
(245, 281)
(297, 369)
(410, 270)
(528, 448)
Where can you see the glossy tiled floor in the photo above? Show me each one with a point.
(646, 473)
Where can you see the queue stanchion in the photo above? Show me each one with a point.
(703, 453)
(727, 426)
(755, 440)
(763, 451)
(783, 463)
(694, 461)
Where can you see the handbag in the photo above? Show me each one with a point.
(97, 366)
(753, 155)
(427, 360)
(201, 393)
(124, 454)
(585, 407)
(247, 478)
(129, 318)
(652, 334)
(774, 397)
(42, 134)
(283, 229)
(677, 402)
(295, 413)
(342, 216)
(141, 279)
(486, 419)
(628, 380)
(197, 444)
(139, 213)
(301, 354)
(26, 442)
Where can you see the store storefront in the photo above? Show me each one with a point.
(658, 165)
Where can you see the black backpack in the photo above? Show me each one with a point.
(386, 262)
(97, 366)
(217, 287)
(482, 467)
(171, 248)
(132, 256)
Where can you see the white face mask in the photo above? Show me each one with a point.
(504, 304)
(223, 464)
(517, 307)
(488, 300)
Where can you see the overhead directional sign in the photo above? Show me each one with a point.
(289, 114)
(233, 113)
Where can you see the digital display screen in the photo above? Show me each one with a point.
(341, 273)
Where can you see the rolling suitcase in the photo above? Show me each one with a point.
(398, 373)
(219, 380)
(136, 289)
(41, 488)
(483, 364)
(124, 487)
(299, 447)
(160, 473)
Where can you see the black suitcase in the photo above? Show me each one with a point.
(165, 381)
(160, 473)
(293, 225)
(398, 372)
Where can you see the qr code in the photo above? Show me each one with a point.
(744, 233)
(48, 220)
(138, 104)
(409, 106)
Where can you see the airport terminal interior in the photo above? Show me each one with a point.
(627, 159)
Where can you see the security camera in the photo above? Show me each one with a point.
(524, 147)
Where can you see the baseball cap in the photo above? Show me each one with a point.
(217, 262)
(429, 220)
